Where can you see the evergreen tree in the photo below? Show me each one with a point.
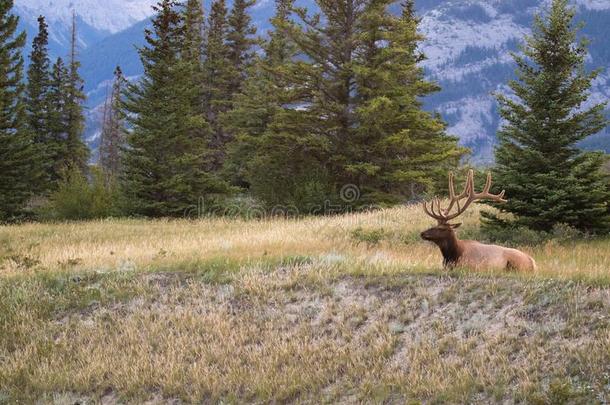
(241, 42)
(398, 149)
(37, 104)
(228, 57)
(167, 160)
(38, 82)
(77, 152)
(547, 178)
(278, 48)
(254, 108)
(357, 86)
(17, 155)
(112, 138)
(193, 48)
(194, 26)
(218, 78)
(56, 148)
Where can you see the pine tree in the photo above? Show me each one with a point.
(218, 77)
(38, 80)
(37, 105)
(194, 26)
(294, 162)
(359, 119)
(193, 48)
(398, 149)
(17, 155)
(77, 152)
(241, 42)
(166, 164)
(56, 149)
(228, 57)
(112, 138)
(547, 178)
(254, 108)
(278, 48)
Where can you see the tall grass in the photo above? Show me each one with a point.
(388, 237)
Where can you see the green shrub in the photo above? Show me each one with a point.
(566, 233)
(80, 198)
(371, 237)
(514, 236)
(523, 236)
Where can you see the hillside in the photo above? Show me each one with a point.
(344, 309)
(468, 47)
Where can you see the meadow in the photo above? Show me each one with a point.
(353, 308)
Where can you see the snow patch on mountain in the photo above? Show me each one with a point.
(476, 114)
(594, 4)
(457, 73)
(600, 90)
(108, 15)
(447, 40)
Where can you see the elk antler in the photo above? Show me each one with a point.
(444, 215)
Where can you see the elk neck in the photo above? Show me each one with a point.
(452, 249)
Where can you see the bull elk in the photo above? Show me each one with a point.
(467, 253)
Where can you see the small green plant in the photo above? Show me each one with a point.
(80, 198)
(523, 236)
(295, 261)
(371, 237)
(514, 236)
(566, 233)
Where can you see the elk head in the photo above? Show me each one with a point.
(445, 231)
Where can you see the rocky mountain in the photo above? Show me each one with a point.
(468, 47)
(96, 19)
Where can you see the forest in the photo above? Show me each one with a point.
(228, 121)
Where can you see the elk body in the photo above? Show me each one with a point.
(466, 253)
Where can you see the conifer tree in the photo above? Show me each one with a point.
(359, 119)
(255, 106)
(166, 163)
(193, 48)
(398, 149)
(293, 160)
(37, 105)
(194, 29)
(241, 42)
(547, 178)
(56, 149)
(112, 138)
(218, 77)
(77, 152)
(17, 155)
(38, 81)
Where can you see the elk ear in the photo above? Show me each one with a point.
(455, 226)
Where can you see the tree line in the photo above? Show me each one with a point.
(323, 100)
(41, 120)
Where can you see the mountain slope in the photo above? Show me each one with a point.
(469, 45)
(95, 19)
(109, 16)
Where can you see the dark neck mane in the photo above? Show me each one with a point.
(451, 250)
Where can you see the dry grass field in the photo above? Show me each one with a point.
(346, 309)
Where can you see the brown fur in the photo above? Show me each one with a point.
(476, 255)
